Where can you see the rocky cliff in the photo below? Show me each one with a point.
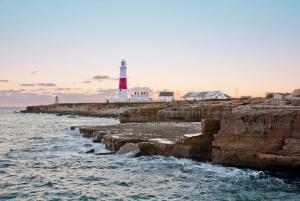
(259, 138)
(90, 109)
(180, 111)
(256, 136)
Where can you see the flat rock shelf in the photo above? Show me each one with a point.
(179, 139)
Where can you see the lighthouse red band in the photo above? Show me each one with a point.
(123, 83)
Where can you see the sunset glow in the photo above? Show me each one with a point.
(73, 48)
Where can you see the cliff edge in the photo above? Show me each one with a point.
(259, 138)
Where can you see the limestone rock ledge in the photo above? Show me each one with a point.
(179, 111)
(262, 139)
(176, 139)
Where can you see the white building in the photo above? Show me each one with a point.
(275, 98)
(272, 95)
(295, 97)
(140, 96)
(205, 95)
(283, 98)
(166, 96)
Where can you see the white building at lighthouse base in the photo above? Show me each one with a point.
(140, 96)
(123, 97)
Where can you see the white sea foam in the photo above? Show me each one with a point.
(192, 135)
(162, 140)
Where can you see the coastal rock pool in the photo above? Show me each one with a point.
(42, 159)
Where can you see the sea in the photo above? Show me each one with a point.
(42, 159)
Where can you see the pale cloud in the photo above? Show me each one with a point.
(63, 89)
(103, 77)
(3, 80)
(46, 84)
(34, 72)
(86, 82)
(27, 85)
(66, 89)
(41, 89)
(42, 84)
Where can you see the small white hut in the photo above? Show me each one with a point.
(166, 96)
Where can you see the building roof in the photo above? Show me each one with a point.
(204, 94)
(278, 93)
(195, 94)
(296, 93)
(201, 94)
(212, 93)
(166, 93)
(227, 96)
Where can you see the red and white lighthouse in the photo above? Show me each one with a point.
(123, 96)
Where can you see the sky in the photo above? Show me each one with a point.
(73, 48)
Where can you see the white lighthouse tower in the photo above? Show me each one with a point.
(123, 96)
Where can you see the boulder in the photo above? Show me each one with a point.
(132, 148)
(115, 142)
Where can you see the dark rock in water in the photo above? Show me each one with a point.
(98, 136)
(88, 145)
(91, 132)
(73, 128)
(90, 151)
(87, 131)
(106, 153)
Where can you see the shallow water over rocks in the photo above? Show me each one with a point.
(42, 159)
